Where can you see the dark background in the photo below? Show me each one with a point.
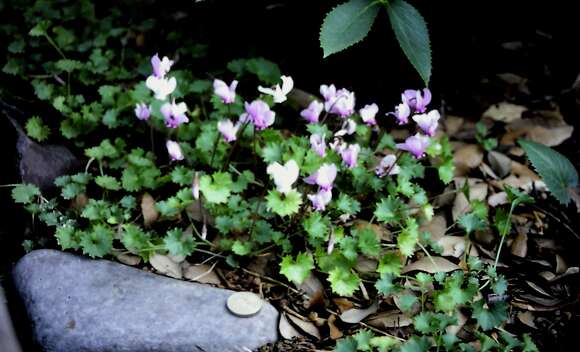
(472, 41)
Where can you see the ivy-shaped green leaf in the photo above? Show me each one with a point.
(297, 270)
(284, 204)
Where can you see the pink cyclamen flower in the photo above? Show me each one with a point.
(228, 129)
(368, 114)
(323, 177)
(312, 113)
(342, 104)
(328, 92)
(417, 102)
(161, 67)
(415, 145)
(226, 94)
(387, 165)
(428, 122)
(402, 112)
(174, 150)
(142, 111)
(320, 199)
(259, 113)
(318, 144)
(174, 114)
(350, 155)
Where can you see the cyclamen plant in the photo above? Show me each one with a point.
(326, 186)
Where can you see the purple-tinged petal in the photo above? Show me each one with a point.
(228, 130)
(350, 155)
(368, 114)
(318, 144)
(312, 113)
(415, 145)
(174, 150)
(226, 93)
(428, 122)
(321, 199)
(387, 166)
(142, 111)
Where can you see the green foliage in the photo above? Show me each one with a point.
(343, 282)
(347, 24)
(297, 270)
(36, 129)
(554, 168)
(284, 204)
(411, 32)
(177, 243)
(25, 193)
(216, 188)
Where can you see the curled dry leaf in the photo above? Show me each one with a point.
(561, 266)
(461, 205)
(342, 303)
(164, 265)
(127, 259)
(431, 265)
(389, 319)
(436, 227)
(496, 199)
(454, 246)
(286, 329)
(335, 333)
(356, 315)
(500, 163)
(148, 209)
(488, 171)
(467, 157)
(304, 326)
(519, 246)
(527, 318)
(313, 291)
(505, 112)
(201, 273)
(547, 127)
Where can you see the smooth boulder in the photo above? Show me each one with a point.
(80, 304)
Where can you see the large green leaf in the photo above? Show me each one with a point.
(347, 24)
(411, 32)
(555, 169)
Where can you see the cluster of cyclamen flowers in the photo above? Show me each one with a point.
(340, 102)
(174, 113)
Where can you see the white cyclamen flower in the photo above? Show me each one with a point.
(283, 175)
(279, 93)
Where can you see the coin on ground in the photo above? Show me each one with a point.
(244, 304)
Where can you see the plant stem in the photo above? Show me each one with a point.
(503, 234)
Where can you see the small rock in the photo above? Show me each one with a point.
(78, 304)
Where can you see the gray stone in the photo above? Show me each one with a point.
(79, 304)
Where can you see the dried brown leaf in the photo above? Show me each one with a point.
(164, 265)
(286, 329)
(148, 209)
(436, 227)
(432, 264)
(505, 112)
(356, 315)
(304, 326)
(390, 319)
(201, 273)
